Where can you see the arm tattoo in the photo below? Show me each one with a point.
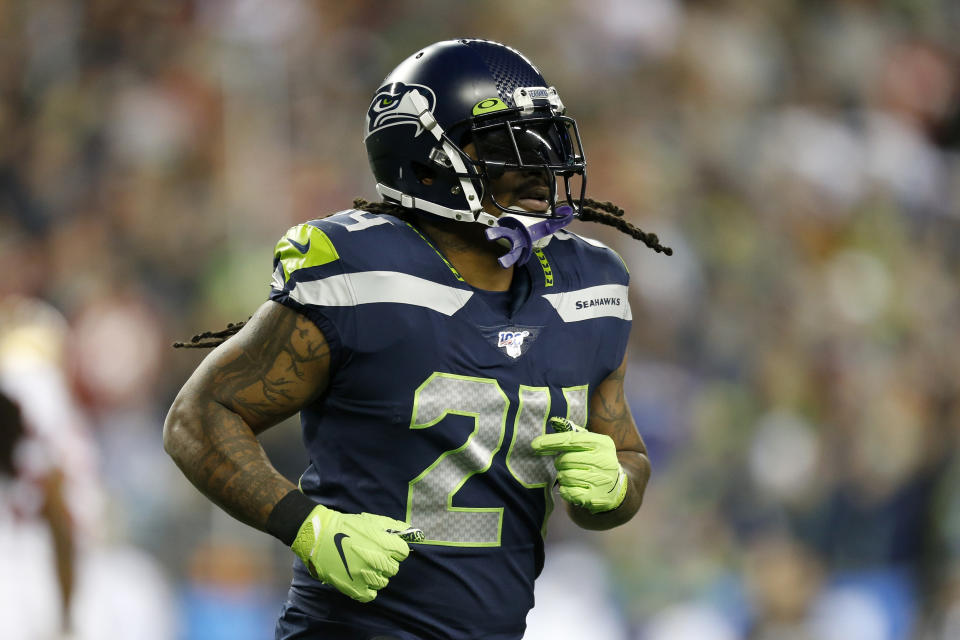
(610, 414)
(278, 363)
(264, 381)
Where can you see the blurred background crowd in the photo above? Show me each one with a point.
(794, 365)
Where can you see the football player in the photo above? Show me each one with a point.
(36, 536)
(453, 352)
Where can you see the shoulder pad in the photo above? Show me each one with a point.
(304, 246)
(602, 248)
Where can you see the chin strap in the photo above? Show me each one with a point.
(522, 235)
(410, 202)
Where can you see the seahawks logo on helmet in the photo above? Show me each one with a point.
(392, 106)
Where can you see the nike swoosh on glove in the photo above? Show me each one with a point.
(588, 471)
(353, 553)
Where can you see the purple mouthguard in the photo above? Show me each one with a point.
(523, 237)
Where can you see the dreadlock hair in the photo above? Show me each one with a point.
(210, 339)
(593, 211)
(610, 214)
(602, 212)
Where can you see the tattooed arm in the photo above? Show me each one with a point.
(610, 415)
(275, 365)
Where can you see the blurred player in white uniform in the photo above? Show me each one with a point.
(49, 499)
(59, 579)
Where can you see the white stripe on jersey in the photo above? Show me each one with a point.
(602, 301)
(365, 287)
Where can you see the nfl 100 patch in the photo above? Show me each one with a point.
(512, 341)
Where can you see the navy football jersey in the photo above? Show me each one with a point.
(435, 394)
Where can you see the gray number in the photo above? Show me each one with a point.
(430, 497)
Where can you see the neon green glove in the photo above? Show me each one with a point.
(588, 472)
(357, 554)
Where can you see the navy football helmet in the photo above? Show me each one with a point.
(458, 92)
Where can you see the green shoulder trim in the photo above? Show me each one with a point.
(304, 246)
(442, 257)
(624, 262)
